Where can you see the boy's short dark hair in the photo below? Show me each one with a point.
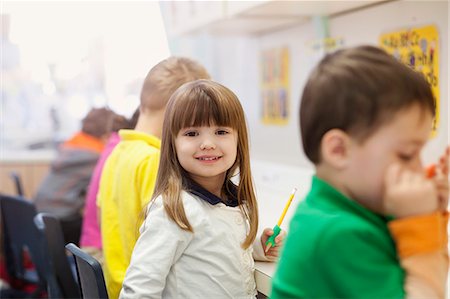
(357, 90)
(97, 122)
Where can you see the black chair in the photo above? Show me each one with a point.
(90, 274)
(51, 228)
(17, 182)
(20, 236)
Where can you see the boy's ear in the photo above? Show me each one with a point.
(335, 148)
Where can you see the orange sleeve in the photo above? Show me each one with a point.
(422, 247)
(420, 234)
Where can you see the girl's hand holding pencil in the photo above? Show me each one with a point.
(272, 251)
(276, 235)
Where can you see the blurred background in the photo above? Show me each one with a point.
(60, 58)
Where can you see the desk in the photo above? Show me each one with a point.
(31, 165)
(263, 276)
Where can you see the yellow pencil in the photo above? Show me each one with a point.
(277, 229)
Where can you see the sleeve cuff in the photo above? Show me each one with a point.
(420, 234)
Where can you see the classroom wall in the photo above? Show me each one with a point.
(234, 61)
(278, 160)
(360, 27)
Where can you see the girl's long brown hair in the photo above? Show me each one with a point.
(200, 103)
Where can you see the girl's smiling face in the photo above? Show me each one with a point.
(206, 153)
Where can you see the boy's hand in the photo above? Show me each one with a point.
(441, 180)
(274, 250)
(408, 193)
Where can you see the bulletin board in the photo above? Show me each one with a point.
(418, 48)
(275, 105)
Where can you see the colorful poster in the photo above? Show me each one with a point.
(275, 108)
(418, 48)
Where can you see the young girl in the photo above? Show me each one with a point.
(198, 239)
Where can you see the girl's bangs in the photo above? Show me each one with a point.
(200, 109)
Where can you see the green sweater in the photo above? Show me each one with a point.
(335, 248)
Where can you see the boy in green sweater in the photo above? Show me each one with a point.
(372, 225)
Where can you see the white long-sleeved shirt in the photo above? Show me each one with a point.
(169, 262)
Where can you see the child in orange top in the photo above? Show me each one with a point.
(63, 190)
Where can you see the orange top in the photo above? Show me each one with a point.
(413, 235)
(84, 141)
(422, 247)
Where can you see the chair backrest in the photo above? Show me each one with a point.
(20, 235)
(51, 228)
(90, 274)
(17, 182)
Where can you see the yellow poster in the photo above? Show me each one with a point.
(275, 107)
(418, 48)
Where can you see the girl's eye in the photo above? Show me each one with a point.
(191, 134)
(222, 132)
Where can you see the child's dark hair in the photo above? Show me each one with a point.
(357, 90)
(97, 122)
(120, 122)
